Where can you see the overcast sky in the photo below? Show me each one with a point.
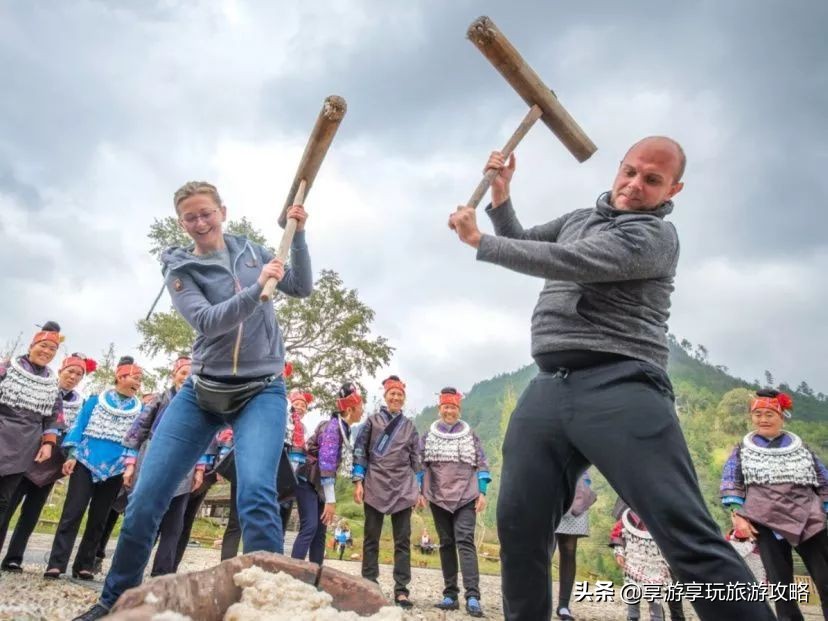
(108, 107)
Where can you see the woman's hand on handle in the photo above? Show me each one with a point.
(274, 269)
(298, 213)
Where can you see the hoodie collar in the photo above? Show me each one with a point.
(603, 206)
(174, 257)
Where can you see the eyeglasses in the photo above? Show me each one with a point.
(190, 219)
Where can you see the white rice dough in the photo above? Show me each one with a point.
(281, 597)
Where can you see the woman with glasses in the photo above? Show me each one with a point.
(777, 492)
(37, 483)
(238, 358)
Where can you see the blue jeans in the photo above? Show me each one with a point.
(183, 436)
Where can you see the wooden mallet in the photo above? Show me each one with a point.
(542, 100)
(333, 111)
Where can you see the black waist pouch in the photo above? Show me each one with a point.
(285, 477)
(226, 399)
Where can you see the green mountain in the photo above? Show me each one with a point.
(712, 407)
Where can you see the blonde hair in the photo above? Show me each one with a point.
(191, 188)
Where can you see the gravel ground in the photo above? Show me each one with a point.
(28, 597)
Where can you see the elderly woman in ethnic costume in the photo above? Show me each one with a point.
(454, 481)
(295, 434)
(386, 462)
(328, 450)
(238, 356)
(136, 442)
(574, 525)
(95, 465)
(777, 491)
(31, 412)
(638, 555)
(39, 480)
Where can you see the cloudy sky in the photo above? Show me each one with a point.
(109, 106)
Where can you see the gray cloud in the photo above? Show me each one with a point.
(113, 106)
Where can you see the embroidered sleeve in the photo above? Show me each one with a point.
(329, 449)
(4, 365)
(76, 432)
(733, 482)
(139, 430)
(361, 450)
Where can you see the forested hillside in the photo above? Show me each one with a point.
(712, 407)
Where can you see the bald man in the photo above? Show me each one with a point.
(602, 396)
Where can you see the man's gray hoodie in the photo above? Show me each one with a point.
(237, 334)
(609, 275)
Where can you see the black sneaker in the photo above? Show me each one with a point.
(97, 566)
(98, 611)
(403, 602)
(12, 567)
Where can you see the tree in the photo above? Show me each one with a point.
(10, 347)
(768, 379)
(731, 413)
(686, 345)
(104, 376)
(805, 389)
(701, 353)
(327, 336)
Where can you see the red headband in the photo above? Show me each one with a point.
(46, 335)
(780, 404)
(87, 364)
(447, 398)
(128, 369)
(393, 383)
(181, 362)
(352, 400)
(298, 395)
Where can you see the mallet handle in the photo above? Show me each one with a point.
(525, 125)
(284, 245)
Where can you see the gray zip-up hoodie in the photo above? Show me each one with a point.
(237, 335)
(609, 275)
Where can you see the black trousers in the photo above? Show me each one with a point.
(194, 502)
(169, 533)
(8, 486)
(456, 533)
(778, 561)
(620, 417)
(34, 499)
(401, 526)
(231, 540)
(98, 497)
(109, 526)
(285, 510)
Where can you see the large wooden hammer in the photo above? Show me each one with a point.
(333, 111)
(544, 104)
